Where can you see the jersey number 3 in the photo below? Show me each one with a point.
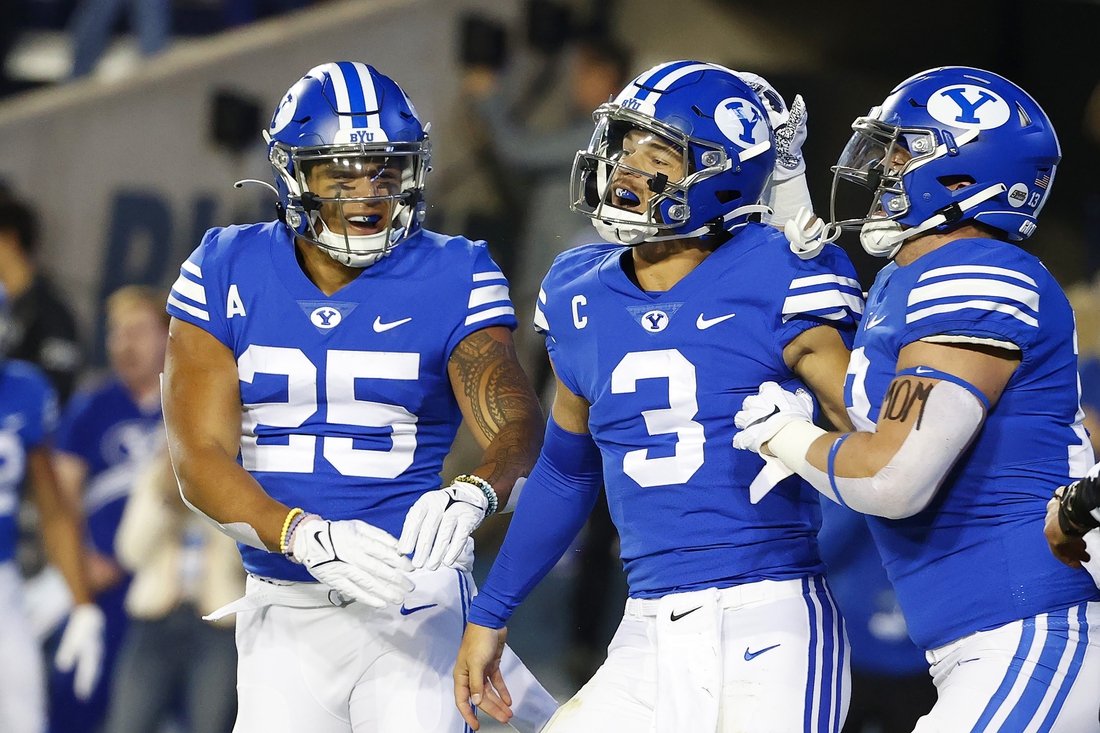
(676, 419)
(343, 368)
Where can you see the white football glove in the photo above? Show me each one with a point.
(804, 232)
(356, 559)
(765, 413)
(439, 523)
(81, 648)
(788, 126)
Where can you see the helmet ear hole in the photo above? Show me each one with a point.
(727, 195)
(952, 183)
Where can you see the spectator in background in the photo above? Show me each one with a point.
(891, 688)
(44, 331)
(106, 434)
(93, 21)
(183, 569)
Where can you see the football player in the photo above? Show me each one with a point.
(107, 431)
(655, 339)
(28, 417)
(963, 386)
(318, 369)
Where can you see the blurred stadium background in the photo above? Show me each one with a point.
(129, 164)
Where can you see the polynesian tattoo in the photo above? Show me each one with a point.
(503, 405)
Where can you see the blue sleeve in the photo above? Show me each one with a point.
(823, 291)
(197, 294)
(543, 326)
(556, 501)
(998, 302)
(487, 299)
(39, 428)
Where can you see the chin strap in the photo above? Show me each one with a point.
(716, 225)
(946, 215)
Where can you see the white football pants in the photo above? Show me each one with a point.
(1040, 675)
(780, 662)
(22, 681)
(350, 668)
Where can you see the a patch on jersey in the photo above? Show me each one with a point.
(284, 114)
(969, 106)
(1017, 195)
(326, 315)
(654, 318)
(741, 122)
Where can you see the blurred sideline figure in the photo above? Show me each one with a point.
(93, 21)
(963, 384)
(42, 325)
(357, 341)
(107, 432)
(28, 416)
(891, 688)
(183, 568)
(654, 339)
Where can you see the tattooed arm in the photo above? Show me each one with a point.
(499, 405)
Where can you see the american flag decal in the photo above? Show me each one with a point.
(1043, 181)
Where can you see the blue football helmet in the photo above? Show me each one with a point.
(684, 151)
(949, 145)
(361, 130)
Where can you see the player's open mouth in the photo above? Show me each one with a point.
(625, 198)
(363, 224)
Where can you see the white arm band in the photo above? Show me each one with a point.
(785, 198)
(950, 418)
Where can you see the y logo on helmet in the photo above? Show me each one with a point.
(740, 121)
(284, 114)
(969, 106)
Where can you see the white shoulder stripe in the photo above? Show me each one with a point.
(504, 310)
(970, 287)
(830, 299)
(976, 270)
(192, 268)
(196, 312)
(190, 289)
(540, 322)
(805, 282)
(487, 294)
(491, 275)
(985, 305)
(542, 296)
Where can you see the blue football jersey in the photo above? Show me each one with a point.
(976, 558)
(28, 417)
(114, 437)
(348, 408)
(665, 373)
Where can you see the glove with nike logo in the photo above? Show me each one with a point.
(439, 523)
(356, 559)
(765, 413)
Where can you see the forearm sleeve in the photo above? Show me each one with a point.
(950, 418)
(556, 501)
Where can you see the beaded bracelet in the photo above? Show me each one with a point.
(293, 514)
(486, 488)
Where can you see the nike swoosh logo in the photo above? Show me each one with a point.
(875, 321)
(923, 370)
(677, 616)
(749, 656)
(407, 611)
(379, 327)
(773, 413)
(704, 323)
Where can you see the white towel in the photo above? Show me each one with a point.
(689, 662)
